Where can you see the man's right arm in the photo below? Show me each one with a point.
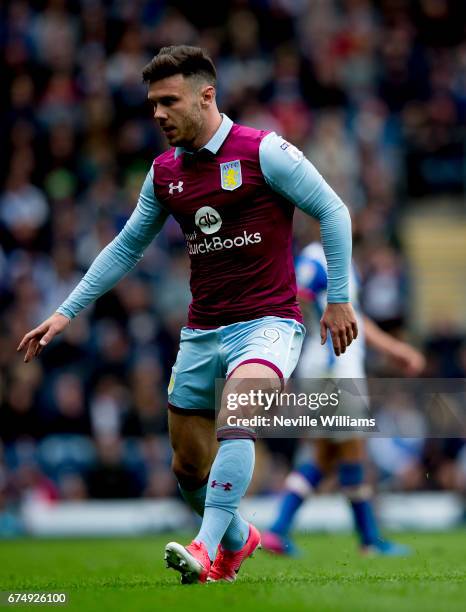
(112, 263)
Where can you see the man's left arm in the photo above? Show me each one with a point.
(288, 172)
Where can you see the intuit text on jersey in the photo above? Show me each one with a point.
(210, 245)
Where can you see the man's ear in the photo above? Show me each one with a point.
(207, 96)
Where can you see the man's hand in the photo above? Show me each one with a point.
(37, 338)
(404, 356)
(340, 320)
(408, 359)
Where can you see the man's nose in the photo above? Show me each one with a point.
(159, 113)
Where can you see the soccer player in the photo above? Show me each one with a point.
(347, 451)
(233, 190)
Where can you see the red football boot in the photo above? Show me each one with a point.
(227, 563)
(191, 561)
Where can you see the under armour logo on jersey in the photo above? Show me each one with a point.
(226, 486)
(172, 187)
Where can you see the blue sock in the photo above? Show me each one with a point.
(299, 484)
(229, 479)
(351, 476)
(237, 532)
(195, 498)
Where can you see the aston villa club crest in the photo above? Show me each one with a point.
(230, 175)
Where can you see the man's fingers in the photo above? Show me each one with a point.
(26, 339)
(38, 331)
(349, 335)
(323, 332)
(38, 348)
(343, 342)
(35, 340)
(48, 336)
(336, 343)
(35, 335)
(341, 322)
(339, 341)
(31, 349)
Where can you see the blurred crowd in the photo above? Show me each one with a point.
(374, 93)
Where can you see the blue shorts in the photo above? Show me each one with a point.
(209, 354)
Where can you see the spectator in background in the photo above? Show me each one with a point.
(385, 289)
(68, 411)
(19, 416)
(23, 207)
(110, 478)
(33, 485)
(72, 487)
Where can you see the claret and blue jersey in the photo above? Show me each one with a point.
(234, 200)
(237, 230)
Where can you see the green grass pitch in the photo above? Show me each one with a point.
(129, 574)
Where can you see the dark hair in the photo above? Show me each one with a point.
(180, 59)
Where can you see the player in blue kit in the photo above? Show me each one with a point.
(347, 452)
(233, 190)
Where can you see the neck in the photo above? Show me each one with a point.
(211, 126)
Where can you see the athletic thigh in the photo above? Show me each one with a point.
(244, 379)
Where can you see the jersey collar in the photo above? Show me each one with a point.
(215, 142)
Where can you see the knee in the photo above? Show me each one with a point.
(191, 472)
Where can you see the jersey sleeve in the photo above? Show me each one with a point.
(120, 255)
(290, 174)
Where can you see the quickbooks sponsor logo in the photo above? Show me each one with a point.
(218, 244)
(208, 220)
